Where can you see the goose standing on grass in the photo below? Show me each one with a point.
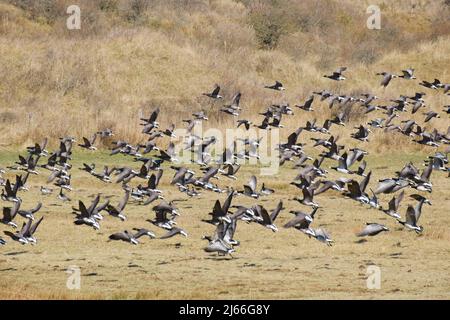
(372, 229)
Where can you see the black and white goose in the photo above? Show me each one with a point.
(372, 229)
(214, 94)
(130, 237)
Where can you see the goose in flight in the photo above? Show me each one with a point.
(387, 77)
(302, 221)
(9, 214)
(173, 232)
(215, 93)
(307, 106)
(308, 195)
(220, 212)
(130, 237)
(2, 241)
(29, 214)
(89, 144)
(372, 229)
(394, 204)
(118, 211)
(337, 75)
(412, 220)
(250, 188)
(278, 86)
(10, 193)
(322, 236)
(268, 220)
(408, 74)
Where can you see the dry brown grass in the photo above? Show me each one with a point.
(116, 68)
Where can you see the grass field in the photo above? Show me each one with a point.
(267, 265)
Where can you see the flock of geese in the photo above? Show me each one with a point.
(310, 177)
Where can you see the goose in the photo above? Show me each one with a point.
(308, 195)
(20, 236)
(324, 94)
(339, 119)
(307, 106)
(250, 188)
(85, 216)
(264, 124)
(430, 115)
(169, 154)
(29, 214)
(387, 77)
(266, 191)
(173, 232)
(342, 165)
(356, 190)
(361, 168)
(105, 176)
(322, 236)
(51, 163)
(418, 208)
(391, 185)
(218, 245)
(302, 221)
(278, 86)
(132, 238)
(230, 110)
(45, 190)
(9, 214)
(411, 220)
(62, 196)
(268, 220)
(220, 212)
(373, 201)
(118, 211)
(376, 123)
(337, 185)
(105, 133)
(2, 241)
(362, 134)
(29, 233)
(431, 85)
(372, 229)
(230, 170)
(337, 75)
(89, 144)
(408, 74)
(214, 94)
(207, 176)
(162, 221)
(201, 115)
(245, 123)
(152, 118)
(394, 204)
(10, 193)
(39, 149)
(276, 120)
